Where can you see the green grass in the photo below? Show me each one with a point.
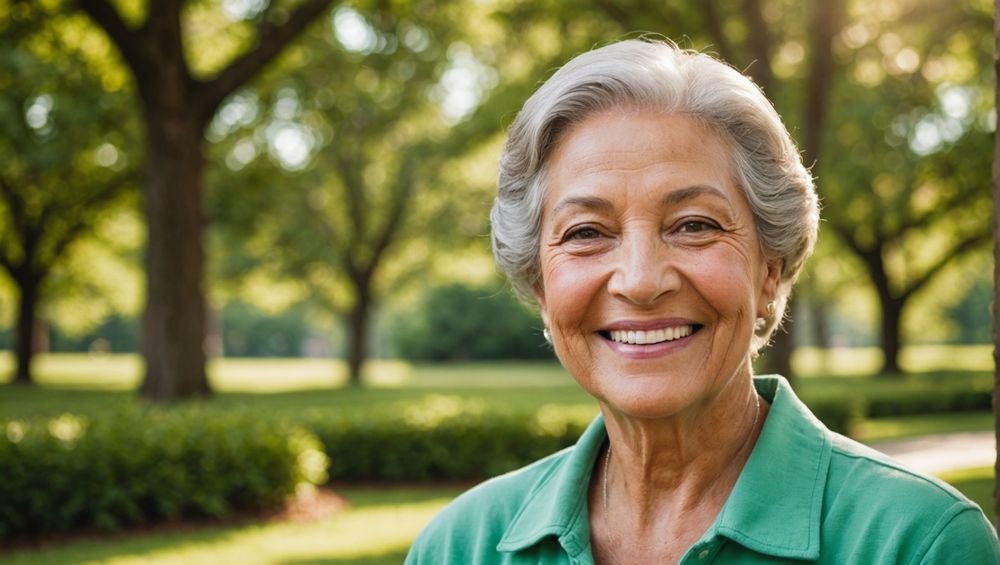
(977, 484)
(882, 429)
(864, 361)
(376, 529)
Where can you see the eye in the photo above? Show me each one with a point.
(584, 232)
(697, 226)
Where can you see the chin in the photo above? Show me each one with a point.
(647, 397)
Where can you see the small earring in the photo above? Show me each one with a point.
(546, 335)
(770, 309)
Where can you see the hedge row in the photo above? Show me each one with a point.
(138, 466)
(141, 466)
(468, 445)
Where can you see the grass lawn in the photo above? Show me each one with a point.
(376, 528)
(85, 384)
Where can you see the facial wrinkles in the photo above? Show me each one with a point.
(716, 273)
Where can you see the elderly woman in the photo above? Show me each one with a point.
(654, 206)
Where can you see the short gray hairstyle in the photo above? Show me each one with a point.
(658, 76)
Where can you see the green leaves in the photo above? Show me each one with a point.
(136, 466)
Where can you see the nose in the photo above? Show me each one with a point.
(644, 270)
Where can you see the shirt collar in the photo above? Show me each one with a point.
(774, 508)
(557, 504)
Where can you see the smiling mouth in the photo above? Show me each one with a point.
(650, 337)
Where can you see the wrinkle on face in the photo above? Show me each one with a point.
(642, 219)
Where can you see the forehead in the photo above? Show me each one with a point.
(620, 152)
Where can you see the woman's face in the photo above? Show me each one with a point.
(652, 273)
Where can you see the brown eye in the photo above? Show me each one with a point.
(697, 226)
(583, 233)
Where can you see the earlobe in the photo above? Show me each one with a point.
(540, 297)
(769, 290)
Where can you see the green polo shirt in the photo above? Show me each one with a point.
(805, 494)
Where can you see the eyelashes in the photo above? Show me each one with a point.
(687, 226)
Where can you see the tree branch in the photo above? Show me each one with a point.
(111, 22)
(401, 200)
(940, 209)
(271, 39)
(16, 204)
(970, 243)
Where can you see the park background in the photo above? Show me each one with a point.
(247, 307)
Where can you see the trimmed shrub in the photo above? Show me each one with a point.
(466, 443)
(140, 466)
(463, 445)
(929, 401)
(838, 414)
(462, 323)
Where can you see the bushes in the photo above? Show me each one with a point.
(467, 445)
(135, 467)
(138, 466)
(460, 323)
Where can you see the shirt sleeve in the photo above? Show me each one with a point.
(967, 538)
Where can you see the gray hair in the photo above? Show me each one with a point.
(658, 76)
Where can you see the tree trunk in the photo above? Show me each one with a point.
(891, 309)
(996, 265)
(892, 313)
(357, 336)
(24, 339)
(174, 322)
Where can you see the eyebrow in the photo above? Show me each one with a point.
(672, 199)
(588, 202)
(691, 192)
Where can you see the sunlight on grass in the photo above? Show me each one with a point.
(864, 361)
(880, 429)
(379, 530)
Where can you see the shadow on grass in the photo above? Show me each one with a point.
(372, 509)
(387, 558)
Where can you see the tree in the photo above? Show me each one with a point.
(63, 155)
(996, 262)
(378, 144)
(176, 107)
(905, 195)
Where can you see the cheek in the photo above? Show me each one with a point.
(570, 285)
(724, 280)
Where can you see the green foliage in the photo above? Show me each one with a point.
(133, 466)
(117, 334)
(249, 332)
(443, 440)
(459, 323)
(972, 314)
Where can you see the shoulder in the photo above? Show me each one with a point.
(475, 522)
(889, 512)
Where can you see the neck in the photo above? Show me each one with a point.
(658, 471)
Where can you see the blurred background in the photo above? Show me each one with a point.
(248, 311)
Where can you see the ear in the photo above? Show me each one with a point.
(769, 288)
(540, 297)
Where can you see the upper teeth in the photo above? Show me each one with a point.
(654, 336)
